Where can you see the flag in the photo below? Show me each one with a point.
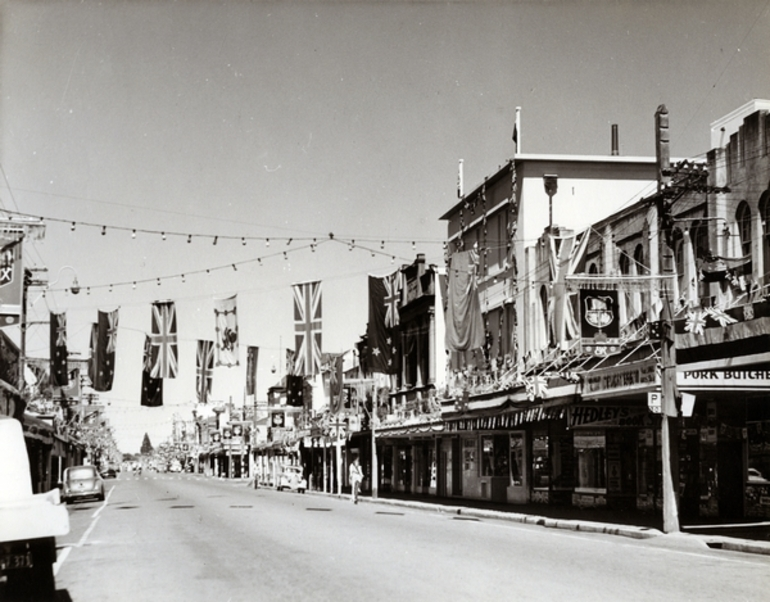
(464, 324)
(104, 336)
(152, 388)
(163, 341)
(294, 390)
(58, 356)
(204, 360)
(252, 355)
(290, 355)
(335, 384)
(307, 327)
(227, 331)
(383, 328)
(11, 279)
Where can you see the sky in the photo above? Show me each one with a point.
(228, 124)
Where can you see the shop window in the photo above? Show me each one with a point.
(469, 455)
(517, 459)
(764, 212)
(541, 463)
(590, 456)
(494, 456)
(759, 452)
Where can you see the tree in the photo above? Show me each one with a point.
(146, 448)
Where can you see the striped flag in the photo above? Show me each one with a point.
(163, 340)
(307, 327)
(205, 370)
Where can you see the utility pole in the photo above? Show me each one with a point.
(669, 451)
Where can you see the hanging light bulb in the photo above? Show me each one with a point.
(259, 260)
(104, 230)
(158, 281)
(183, 280)
(382, 245)
(243, 241)
(267, 242)
(189, 238)
(133, 285)
(133, 233)
(288, 242)
(413, 246)
(72, 228)
(235, 269)
(286, 256)
(110, 288)
(392, 259)
(163, 235)
(216, 238)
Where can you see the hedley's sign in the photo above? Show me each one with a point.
(735, 379)
(609, 416)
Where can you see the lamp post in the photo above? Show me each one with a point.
(551, 184)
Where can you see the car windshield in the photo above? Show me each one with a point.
(83, 472)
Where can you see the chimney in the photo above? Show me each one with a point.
(615, 151)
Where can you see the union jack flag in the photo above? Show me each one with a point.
(164, 357)
(392, 299)
(307, 328)
(205, 371)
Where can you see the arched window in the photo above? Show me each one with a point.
(743, 220)
(764, 215)
(624, 264)
(641, 268)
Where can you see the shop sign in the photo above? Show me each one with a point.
(609, 416)
(619, 379)
(736, 379)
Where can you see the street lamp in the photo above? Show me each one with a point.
(74, 288)
(551, 184)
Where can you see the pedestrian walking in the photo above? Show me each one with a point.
(356, 475)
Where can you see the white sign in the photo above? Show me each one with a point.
(655, 402)
(737, 379)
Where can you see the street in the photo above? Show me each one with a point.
(190, 538)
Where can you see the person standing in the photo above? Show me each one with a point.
(355, 475)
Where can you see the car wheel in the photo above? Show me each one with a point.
(101, 497)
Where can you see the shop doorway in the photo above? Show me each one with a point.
(457, 466)
(730, 478)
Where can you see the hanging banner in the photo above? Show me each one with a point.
(11, 279)
(599, 321)
(225, 313)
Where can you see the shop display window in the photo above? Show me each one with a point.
(541, 461)
(759, 452)
(590, 458)
(469, 455)
(517, 459)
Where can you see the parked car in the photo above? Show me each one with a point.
(82, 482)
(109, 473)
(756, 477)
(293, 479)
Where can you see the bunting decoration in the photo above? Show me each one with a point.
(204, 360)
(225, 314)
(251, 370)
(58, 356)
(163, 341)
(464, 324)
(307, 327)
(152, 388)
(104, 336)
(383, 327)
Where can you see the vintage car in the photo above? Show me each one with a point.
(82, 482)
(292, 478)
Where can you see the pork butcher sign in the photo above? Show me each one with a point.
(599, 321)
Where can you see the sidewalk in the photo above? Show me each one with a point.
(750, 537)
